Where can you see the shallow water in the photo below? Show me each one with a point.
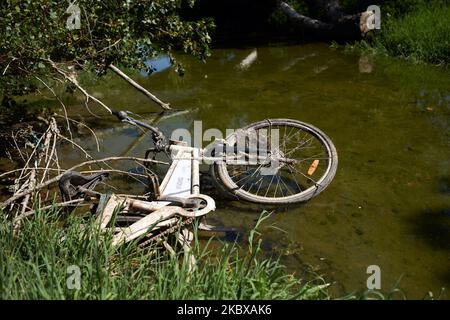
(389, 204)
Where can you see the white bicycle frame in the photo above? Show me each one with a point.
(181, 181)
(183, 177)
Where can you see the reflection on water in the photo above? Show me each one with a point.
(365, 64)
(388, 119)
(155, 65)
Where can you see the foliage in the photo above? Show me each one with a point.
(111, 31)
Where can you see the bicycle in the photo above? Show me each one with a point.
(233, 169)
(274, 162)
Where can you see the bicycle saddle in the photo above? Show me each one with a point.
(72, 182)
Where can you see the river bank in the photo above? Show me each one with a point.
(419, 35)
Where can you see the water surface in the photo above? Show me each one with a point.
(389, 204)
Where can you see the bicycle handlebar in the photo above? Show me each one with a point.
(158, 136)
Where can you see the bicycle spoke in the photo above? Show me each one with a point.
(287, 187)
(269, 186)
(307, 178)
(302, 159)
(296, 182)
(259, 187)
(299, 147)
(276, 188)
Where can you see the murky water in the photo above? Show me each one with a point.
(389, 204)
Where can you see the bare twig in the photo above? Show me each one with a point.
(75, 82)
(55, 179)
(76, 145)
(4, 71)
(90, 130)
(115, 171)
(31, 182)
(61, 102)
(18, 170)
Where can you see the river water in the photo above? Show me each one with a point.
(389, 204)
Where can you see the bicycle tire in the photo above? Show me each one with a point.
(221, 175)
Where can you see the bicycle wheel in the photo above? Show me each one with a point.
(296, 168)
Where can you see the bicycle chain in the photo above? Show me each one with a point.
(167, 231)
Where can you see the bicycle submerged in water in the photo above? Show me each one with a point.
(274, 161)
(271, 162)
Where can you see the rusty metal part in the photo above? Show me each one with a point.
(193, 206)
(166, 232)
(153, 184)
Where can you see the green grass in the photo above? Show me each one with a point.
(34, 262)
(420, 35)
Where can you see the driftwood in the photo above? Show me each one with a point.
(106, 214)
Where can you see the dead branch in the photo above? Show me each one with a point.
(152, 97)
(114, 171)
(4, 174)
(61, 102)
(74, 81)
(303, 21)
(43, 151)
(75, 145)
(90, 130)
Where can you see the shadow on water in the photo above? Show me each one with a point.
(432, 226)
(444, 185)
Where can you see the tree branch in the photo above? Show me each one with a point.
(152, 97)
(301, 20)
(340, 26)
(75, 82)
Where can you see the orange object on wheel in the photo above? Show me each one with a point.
(313, 167)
